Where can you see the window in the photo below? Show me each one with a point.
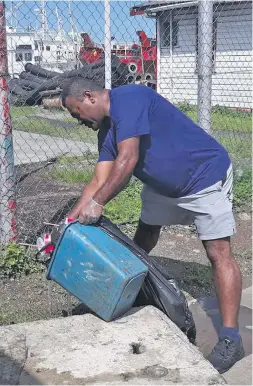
(36, 46)
(37, 58)
(47, 48)
(28, 56)
(19, 57)
(166, 34)
(24, 47)
(214, 43)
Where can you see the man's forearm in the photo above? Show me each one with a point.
(121, 173)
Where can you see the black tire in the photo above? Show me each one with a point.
(132, 67)
(78, 72)
(115, 62)
(148, 76)
(29, 76)
(16, 100)
(27, 84)
(122, 70)
(130, 79)
(99, 64)
(36, 70)
(15, 88)
(138, 78)
(21, 97)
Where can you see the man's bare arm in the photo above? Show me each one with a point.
(121, 171)
(101, 174)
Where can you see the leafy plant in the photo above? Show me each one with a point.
(15, 260)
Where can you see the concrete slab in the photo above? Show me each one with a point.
(143, 347)
(246, 299)
(31, 147)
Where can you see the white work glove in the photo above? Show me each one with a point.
(91, 212)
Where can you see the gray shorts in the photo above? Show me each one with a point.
(210, 209)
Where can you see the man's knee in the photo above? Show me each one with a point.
(218, 250)
(146, 236)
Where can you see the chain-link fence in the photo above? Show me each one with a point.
(196, 54)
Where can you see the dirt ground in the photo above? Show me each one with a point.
(179, 251)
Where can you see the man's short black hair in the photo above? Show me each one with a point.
(75, 87)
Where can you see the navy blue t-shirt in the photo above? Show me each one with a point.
(176, 156)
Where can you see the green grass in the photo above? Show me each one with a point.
(73, 169)
(126, 207)
(42, 126)
(71, 175)
(223, 118)
(77, 159)
(238, 149)
(243, 188)
(23, 111)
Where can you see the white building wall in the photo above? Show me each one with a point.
(14, 40)
(232, 84)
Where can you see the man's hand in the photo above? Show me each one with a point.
(100, 176)
(90, 212)
(109, 179)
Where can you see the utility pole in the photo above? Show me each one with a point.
(7, 180)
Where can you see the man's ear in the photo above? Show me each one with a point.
(88, 96)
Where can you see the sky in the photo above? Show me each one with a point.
(88, 16)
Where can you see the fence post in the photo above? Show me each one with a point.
(7, 181)
(205, 63)
(108, 54)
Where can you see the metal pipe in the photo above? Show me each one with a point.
(7, 180)
(205, 63)
(108, 67)
(171, 56)
(158, 55)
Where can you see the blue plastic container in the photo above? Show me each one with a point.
(96, 269)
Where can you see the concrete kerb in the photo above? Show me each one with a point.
(143, 347)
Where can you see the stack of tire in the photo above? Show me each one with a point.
(32, 83)
(134, 77)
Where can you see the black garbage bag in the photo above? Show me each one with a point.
(159, 289)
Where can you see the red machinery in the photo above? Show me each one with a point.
(140, 58)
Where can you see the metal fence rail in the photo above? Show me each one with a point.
(197, 54)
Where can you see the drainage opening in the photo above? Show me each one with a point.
(137, 348)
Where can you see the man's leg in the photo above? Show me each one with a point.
(227, 279)
(146, 236)
(228, 285)
(215, 224)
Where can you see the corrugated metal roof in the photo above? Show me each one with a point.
(141, 8)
